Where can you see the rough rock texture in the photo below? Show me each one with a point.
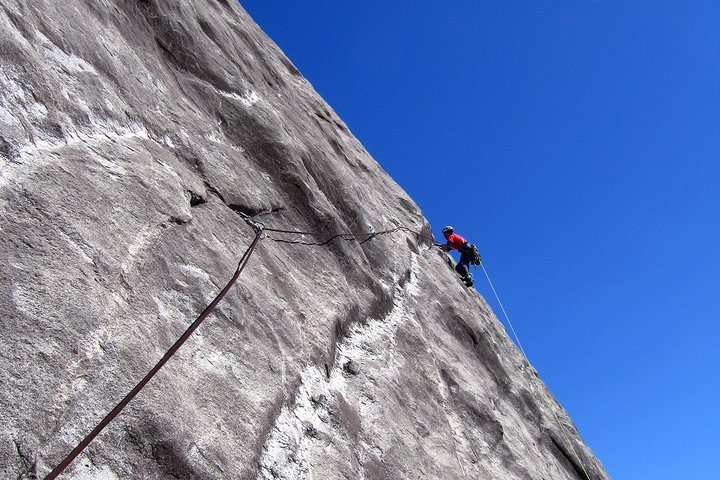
(131, 132)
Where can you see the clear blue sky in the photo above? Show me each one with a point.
(578, 144)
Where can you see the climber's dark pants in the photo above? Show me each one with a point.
(462, 266)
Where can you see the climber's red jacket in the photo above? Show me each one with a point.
(455, 241)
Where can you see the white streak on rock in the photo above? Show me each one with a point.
(34, 156)
(287, 451)
(248, 99)
(26, 302)
(162, 309)
(78, 248)
(196, 272)
(61, 60)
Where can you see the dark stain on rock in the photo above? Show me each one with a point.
(379, 468)
(564, 456)
(5, 149)
(527, 404)
(474, 414)
(422, 430)
(340, 329)
(20, 24)
(196, 199)
(207, 29)
(412, 246)
(179, 45)
(351, 368)
(152, 441)
(222, 120)
(214, 191)
(290, 67)
(461, 330)
(347, 417)
(28, 460)
(225, 4)
(480, 342)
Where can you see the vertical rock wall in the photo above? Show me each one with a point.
(131, 134)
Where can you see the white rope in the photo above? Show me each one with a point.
(547, 400)
(507, 318)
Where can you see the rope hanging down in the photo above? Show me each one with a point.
(193, 326)
(542, 392)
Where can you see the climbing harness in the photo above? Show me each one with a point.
(542, 392)
(260, 233)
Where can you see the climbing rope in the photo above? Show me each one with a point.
(330, 236)
(120, 406)
(542, 392)
(517, 339)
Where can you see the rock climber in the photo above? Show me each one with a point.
(468, 253)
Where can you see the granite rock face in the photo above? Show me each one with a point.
(131, 135)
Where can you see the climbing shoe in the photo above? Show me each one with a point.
(468, 280)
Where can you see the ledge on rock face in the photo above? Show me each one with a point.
(131, 136)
